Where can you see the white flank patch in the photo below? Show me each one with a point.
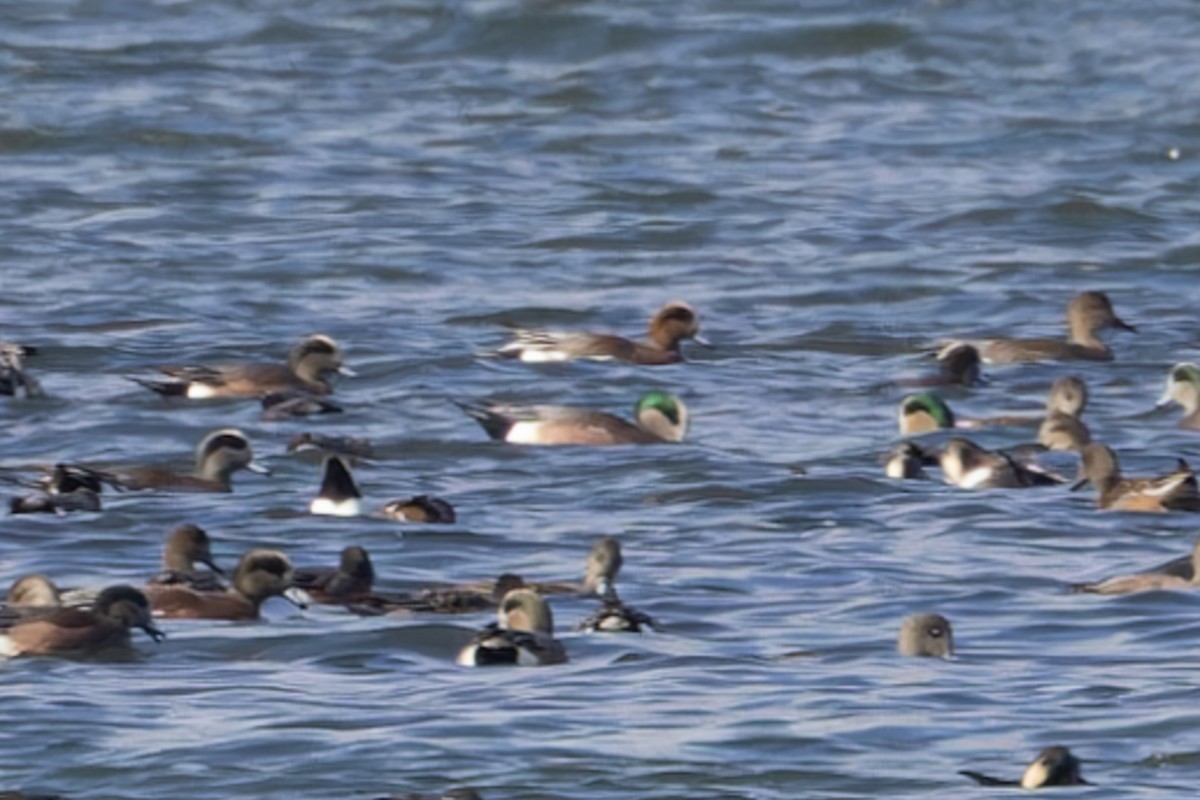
(200, 391)
(976, 478)
(350, 507)
(532, 356)
(525, 433)
(466, 657)
(6, 647)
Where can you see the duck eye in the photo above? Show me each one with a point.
(935, 632)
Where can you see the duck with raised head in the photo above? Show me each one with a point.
(1183, 387)
(310, 364)
(349, 582)
(339, 495)
(187, 545)
(260, 575)
(80, 631)
(218, 455)
(604, 562)
(661, 418)
(1087, 313)
(1054, 766)
(14, 379)
(925, 635)
(420, 508)
(670, 325)
(522, 635)
(1063, 428)
(1176, 491)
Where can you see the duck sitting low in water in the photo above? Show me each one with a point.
(522, 635)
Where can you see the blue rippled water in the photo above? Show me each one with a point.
(833, 185)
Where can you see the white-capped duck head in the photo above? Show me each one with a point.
(926, 635)
(33, 591)
(523, 635)
(222, 453)
(339, 495)
(959, 364)
(1183, 387)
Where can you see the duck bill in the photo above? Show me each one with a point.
(254, 466)
(208, 563)
(297, 597)
(153, 632)
(346, 371)
(700, 340)
(1079, 484)
(1166, 399)
(1123, 325)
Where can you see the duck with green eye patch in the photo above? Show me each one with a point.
(660, 417)
(924, 412)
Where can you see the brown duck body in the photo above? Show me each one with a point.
(80, 631)
(260, 574)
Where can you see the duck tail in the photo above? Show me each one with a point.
(495, 424)
(164, 388)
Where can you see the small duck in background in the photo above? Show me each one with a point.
(1087, 313)
(958, 365)
(13, 376)
(522, 635)
(1183, 387)
(969, 466)
(187, 545)
(907, 461)
(1054, 766)
(350, 582)
(926, 635)
(661, 418)
(670, 325)
(310, 364)
(603, 563)
(420, 508)
(1099, 466)
(348, 446)
(1163, 578)
(1063, 428)
(290, 404)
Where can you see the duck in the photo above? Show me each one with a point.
(289, 404)
(1183, 387)
(1054, 766)
(604, 561)
(1162, 578)
(907, 461)
(958, 365)
(522, 635)
(670, 325)
(969, 466)
(14, 379)
(339, 495)
(309, 365)
(187, 545)
(218, 455)
(924, 635)
(661, 418)
(33, 591)
(924, 412)
(1176, 491)
(349, 447)
(420, 508)
(349, 582)
(66, 488)
(260, 574)
(1087, 313)
(1063, 428)
(80, 631)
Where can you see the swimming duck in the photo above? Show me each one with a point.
(1054, 766)
(967, 465)
(34, 591)
(958, 365)
(1063, 428)
(1162, 578)
(73, 631)
(66, 488)
(13, 377)
(349, 582)
(186, 546)
(310, 364)
(285, 405)
(661, 417)
(522, 635)
(907, 461)
(1174, 492)
(420, 508)
(348, 446)
(1087, 313)
(260, 574)
(603, 563)
(339, 495)
(924, 412)
(926, 635)
(218, 455)
(669, 326)
(1183, 387)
